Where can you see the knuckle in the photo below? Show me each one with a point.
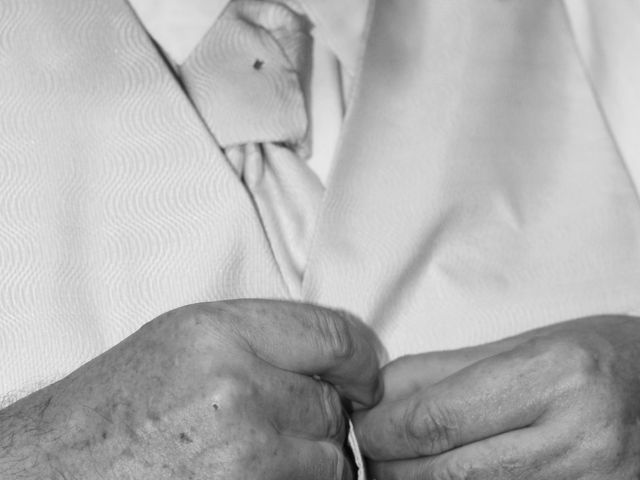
(581, 370)
(577, 357)
(577, 366)
(166, 319)
(187, 320)
(430, 430)
(172, 326)
(249, 453)
(334, 333)
(233, 395)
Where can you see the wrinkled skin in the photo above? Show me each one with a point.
(232, 390)
(562, 402)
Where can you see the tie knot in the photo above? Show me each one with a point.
(278, 17)
(286, 24)
(249, 75)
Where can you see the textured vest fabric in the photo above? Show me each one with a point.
(477, 191)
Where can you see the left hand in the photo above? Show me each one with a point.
(561, 402)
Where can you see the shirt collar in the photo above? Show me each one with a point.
(179, 25)
(341, 25)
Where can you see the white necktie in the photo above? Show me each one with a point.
(248, 78)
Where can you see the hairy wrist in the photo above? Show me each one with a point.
(21, 433)
(33, 436)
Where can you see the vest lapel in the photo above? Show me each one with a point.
(115, 202)
(477, 191)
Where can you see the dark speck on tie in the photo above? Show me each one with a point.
(258, 64)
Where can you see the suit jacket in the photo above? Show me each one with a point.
(480, 188)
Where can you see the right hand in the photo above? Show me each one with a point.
(236, 390)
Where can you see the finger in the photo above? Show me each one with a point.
(405, 375)
(301, 406)
(309, 460)
(531, 453)
(311, 340)
(408, 374)
(496, 395)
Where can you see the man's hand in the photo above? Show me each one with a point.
(561, 402)
(233, 390)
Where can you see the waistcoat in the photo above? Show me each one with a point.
(478, 190)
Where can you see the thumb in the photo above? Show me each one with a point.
(314, 341)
